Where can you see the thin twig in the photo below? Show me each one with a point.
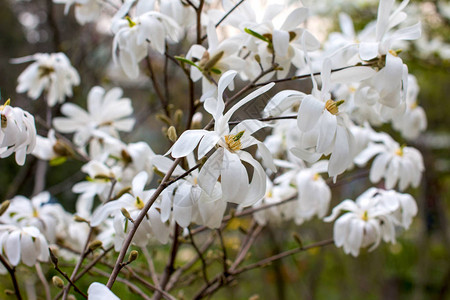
(11, 271)
(169, 269)
(200, 256)
(151, 266)
(224, 252)
(44, 282)
(138, 221)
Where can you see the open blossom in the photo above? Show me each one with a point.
(107, 112)
(50, 72)
(133, 202)
(186, 201)
(17, 132)
(393, 162)
(226, 161)
(414, 120)
(132, 36)
(324, 128)
(37, 211)
(214, 61)
(371, 218)
(26, 244)
(283, 42)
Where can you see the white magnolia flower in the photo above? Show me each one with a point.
(85, 10)
(283, 42)
(226, 161)
(364, 223)
(51, 73)
(132, 36)
(98, 291)
(393, 162)
(324, 127)
(107, 112)
(17, 132)
(214, 61)
(133, 202)
(186, 201)
(275, 214)
(98, 182)
(38, 212)
(414, 120)
(26, 244)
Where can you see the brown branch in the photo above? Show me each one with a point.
(200, 256)
(44, 282)
(169, 269)
(11, 271)
(138, 221)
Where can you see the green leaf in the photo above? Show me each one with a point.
(187, 61)
(257, 35)
(58, 161)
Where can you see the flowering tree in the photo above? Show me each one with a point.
(219, 166)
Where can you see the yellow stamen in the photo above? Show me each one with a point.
(139, 203)
(35, 213)
(332, 106)
(316, 177)
(413, 105)
(365, 217)
(234, 141)
(269, 194)
(130, 22)
(399, 151)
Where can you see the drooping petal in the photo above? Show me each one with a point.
(187, 142)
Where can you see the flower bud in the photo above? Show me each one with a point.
(95, 245)
(133, 256)
(77, 218)
(58, 282)
(4, 206)
(126, 214)
(172, 134)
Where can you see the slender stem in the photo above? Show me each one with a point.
(200, 256)
(199, 21)
(151, 266)
(170, 264)
(224, 252)
(305, 76)
(158, 91)
(132, 286)
(281, 255)
(44, 282)
(11, 271)
(137, 222)
(71, 283)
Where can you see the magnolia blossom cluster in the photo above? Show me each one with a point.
(311, 137)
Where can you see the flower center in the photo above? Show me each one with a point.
(130, 22)
(316, 177)
(234, 141)
(139, 203)
(399, 151)
(332, 106)
(365, 216)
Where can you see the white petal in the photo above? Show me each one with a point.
(309, 113)
(187, 142)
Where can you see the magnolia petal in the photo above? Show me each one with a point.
(187, 142)
(309, 113)
(280, 40)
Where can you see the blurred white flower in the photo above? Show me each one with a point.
(51, 73)
(393, 162)
(17, 132)
(26, 244)
(107, 113)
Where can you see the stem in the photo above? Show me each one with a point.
(199, 21)
(151, 266)
(11, 271)
(43, 281)
(200, 256)
(170, 264)
(137, 222)
(158, 91)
